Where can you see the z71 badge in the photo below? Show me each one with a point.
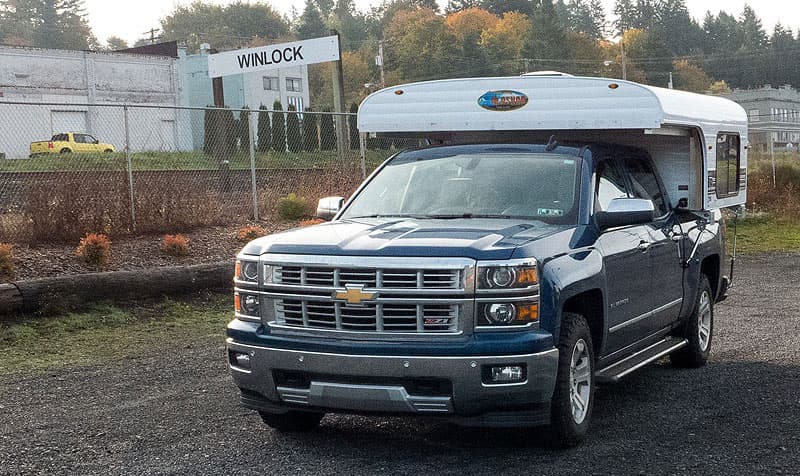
(503, 100)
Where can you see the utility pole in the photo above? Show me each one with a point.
(152, 32)
(670, 80)
(338, 101)
(624, 62)
(379, 63)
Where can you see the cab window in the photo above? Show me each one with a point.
(728, 154)
(644, 183)
(610, 185)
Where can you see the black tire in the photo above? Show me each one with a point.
(65, 151)
(565, 430)
(695, 354)
(292, 420)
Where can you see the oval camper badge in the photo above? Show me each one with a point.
(503, 100)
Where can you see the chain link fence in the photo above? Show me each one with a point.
(70, 169)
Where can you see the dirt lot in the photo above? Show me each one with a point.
(177, 412)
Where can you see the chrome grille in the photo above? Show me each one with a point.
(369, 278)
(376, 317)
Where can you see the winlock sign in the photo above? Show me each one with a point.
(264, 58)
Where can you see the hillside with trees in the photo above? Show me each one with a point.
(468, 38)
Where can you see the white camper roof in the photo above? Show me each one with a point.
(551, 102)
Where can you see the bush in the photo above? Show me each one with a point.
(7, 269)
(244, 129)
(293, 136)
(310, 133)
(278, 128)
(264, 129)
(175, 245)
(292, 207)
(94, 249)
(327, 132)
(250, 233)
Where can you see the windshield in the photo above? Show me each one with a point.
(482, 183)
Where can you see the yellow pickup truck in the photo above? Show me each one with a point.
(69, 142)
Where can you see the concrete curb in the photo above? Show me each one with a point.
(73, 291)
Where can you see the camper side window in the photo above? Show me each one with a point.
(728, 153)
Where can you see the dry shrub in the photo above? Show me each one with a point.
(310, 183)
(7, 269)
(94, 249)
(62, 207)
(250, 233)
(175, 245)
(311, 222)
(293, 207)
(781, 198)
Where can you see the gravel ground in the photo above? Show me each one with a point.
(206, 245)
(178, 413)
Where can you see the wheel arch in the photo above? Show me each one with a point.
(589, 304)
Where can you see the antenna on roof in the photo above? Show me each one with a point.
(551, 144)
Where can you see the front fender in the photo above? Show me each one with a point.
(565, 277)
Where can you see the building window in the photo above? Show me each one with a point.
(294, 84)
(754, 115)
(728, 152)
(271, 83)
(296, 102)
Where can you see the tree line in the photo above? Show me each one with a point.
(467, 38)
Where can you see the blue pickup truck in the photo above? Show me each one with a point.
(494, 276)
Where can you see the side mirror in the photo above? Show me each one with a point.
(626, 212)
(328, 207)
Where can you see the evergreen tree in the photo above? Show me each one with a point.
(58, 24)
(244, 129)
(352, 127)
(310, 133)
(264, 130)
(498, 7)
(458, 5)
(294, 138)
(278, 127)
(625, 11)
(548, 38)
(311, 24)
(674, 22)
(327, 132)
(585, 16)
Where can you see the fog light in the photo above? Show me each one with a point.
(497, 374)
(250, 305)
(239, 359)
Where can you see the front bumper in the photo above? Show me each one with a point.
(333, 382)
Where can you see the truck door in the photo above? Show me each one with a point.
(666, 290)
(626, 262)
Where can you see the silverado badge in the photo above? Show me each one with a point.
(354, 294)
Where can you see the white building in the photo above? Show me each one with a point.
(774, 115)
(88, 82)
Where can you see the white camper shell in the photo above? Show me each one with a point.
(698, 142)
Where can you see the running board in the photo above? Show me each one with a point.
(616, 371)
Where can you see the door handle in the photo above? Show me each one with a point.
(644, 246)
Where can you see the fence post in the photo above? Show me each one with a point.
(362, 142)
(129, 166)
(251, 134)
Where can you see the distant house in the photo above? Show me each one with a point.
(287, 85)
(774, 116)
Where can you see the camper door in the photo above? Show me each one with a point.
(726, 169)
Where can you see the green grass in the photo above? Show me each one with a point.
(763, 235)
(184, 161)
(110, 332)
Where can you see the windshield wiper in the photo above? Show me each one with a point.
(388, 215)
(468, 215)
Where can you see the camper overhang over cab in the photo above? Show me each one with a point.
(697, 142)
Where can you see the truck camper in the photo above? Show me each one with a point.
(550, 233)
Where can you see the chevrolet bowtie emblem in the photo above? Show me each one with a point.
(354, 294)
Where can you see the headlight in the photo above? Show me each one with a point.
(246, 271)
(513, 275)
(521, 313)
(247, 305)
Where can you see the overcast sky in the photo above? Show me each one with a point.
(130, 19)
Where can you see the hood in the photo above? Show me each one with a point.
(472, 238)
